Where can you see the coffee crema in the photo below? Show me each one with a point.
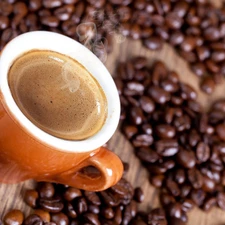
(57, 94)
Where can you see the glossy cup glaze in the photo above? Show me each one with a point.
(27, 152)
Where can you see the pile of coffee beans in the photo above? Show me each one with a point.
(195, 28)
(182, 147)
(56, 204)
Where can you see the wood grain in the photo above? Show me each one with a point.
(11, 195)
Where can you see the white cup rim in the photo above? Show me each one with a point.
(44, 40)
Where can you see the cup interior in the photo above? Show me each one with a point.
(43, 40)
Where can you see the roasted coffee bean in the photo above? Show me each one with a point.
(172, 187)
(179, 176)
(91, 218)
(211, 34)
(176, 221)
(71, 193)
(176, 38)
(147, 104)
(165, 131)
(166, 147)
(157, 180)
(136, 115)
(195, 178)
(92, 197)
(209, 203)
(60, 218)
(13, 217)
(153, 43)
(31, 197)
(187, 92)
(45, 216)
(33, 220)
(188, 44)
(185, 190)
(186, 158)
(166, 199)
(107, 212)
(93, 209)
(138, 194)
(221, 200)
(174, 210)
(147, 155)
(187, 205)
(198, 196)
(158, 94)
(109, 198)
(208, 85)
(46, 190)
(80, 205)
(173, 21)
(51, 205)
(220, 130)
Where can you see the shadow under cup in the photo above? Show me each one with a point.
(26, 146)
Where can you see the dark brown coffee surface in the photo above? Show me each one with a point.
(58, 94)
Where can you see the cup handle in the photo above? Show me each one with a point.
(108, 164)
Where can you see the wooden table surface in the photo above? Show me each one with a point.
(11, 195)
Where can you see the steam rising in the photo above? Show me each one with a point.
(72, 82)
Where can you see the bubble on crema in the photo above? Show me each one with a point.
(71, 80)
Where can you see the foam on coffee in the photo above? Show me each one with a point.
(57, 94)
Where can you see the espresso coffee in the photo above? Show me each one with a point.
(58, 94)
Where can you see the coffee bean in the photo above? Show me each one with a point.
(60, 218)
(166, 147)
(92, 197)
(198, 69)
(188, 92)
(176, 38)
(202, 53)
(173, 21)
(211, 34)
(186, 158)
(31, 197)
(45, 216)
(169, 86)
(93, 209)
(165, 131)
(198, 196)
(174, 210)
(188, 44)
(138, 194)
(179, 176)
(71, 193)
(110, 199)
(195, 178)
(202, 152)
(153, 43)
(51, 205)
(187, 205)
(147, 104)
(136, 115)
(46, 190)
(176, 221)
(220, 130)
(221, 200)
(166, 199)
(172, 187)
(209, 203)
(147, 155)
(158, 94)
(208, 85)
(33, 220)
(13, 217)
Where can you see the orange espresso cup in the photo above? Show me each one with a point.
(27, 152)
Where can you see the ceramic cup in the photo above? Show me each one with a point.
(27, 152)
